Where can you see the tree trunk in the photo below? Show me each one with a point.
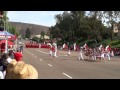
(111, 33)
(111, 36)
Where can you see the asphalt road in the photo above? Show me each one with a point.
(69, 67)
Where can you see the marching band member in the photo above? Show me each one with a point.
(63, 46)
(100, 47)
(69, 49)
(50, 46)
(107, 49)
(85, 46)
(74, 46)
(112, 53)
(81, 54)
(103, 53)
(94, 54)
(55, 49)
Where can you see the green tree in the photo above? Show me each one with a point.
(6, 19)
(78, 21)
(13, 30)
(42, 34)
(112, 17)
(28, 33)
(63, 27)
(75, 26)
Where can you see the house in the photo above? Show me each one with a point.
(116, 29)
(45, 37)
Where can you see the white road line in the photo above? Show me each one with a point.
(63, 55)
(41, 60)
(67, 75)
(43, 52)
(37, 50)
(50, 65)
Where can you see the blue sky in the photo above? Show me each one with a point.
(45, 18)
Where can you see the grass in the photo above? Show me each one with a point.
(113, 44)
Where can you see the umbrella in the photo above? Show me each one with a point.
(8, 35)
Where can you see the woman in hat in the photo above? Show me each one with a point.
(20, 70)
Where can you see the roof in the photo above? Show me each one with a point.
(5, 33)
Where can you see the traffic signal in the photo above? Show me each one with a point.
(1, 14)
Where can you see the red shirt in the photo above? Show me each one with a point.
(18, 56)
(53, 48)
(109, 49)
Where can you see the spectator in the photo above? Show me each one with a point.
(18, 56)
(3, 48)
(3, 65)
(21, 49)
(6, 58)
(11, 54)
